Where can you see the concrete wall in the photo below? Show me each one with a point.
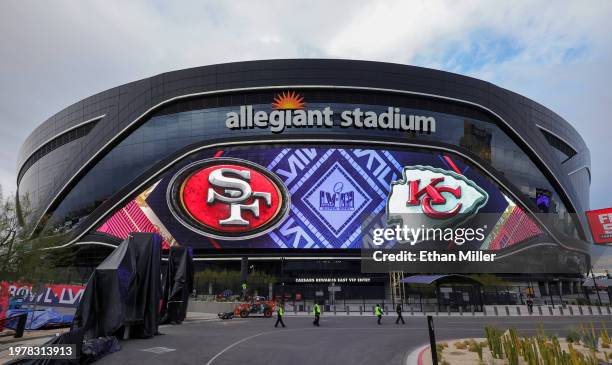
(210, 307)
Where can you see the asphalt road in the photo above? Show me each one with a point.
(339, 340)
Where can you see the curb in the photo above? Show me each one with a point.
(420, 359)
(416, 356)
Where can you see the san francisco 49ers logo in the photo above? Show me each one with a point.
(228, 198)
(438, 197)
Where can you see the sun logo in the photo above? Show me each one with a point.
(288, 100)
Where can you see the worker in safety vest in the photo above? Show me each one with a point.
(379, 312)
(244, 290)
(279, 315)
(317, 313)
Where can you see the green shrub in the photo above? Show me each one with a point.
(230, 280)
(605, 338)
(510, 350)
(540, 349)
(459, 345)
(590, 338)
(573, 335)
(494, 341)
(474, 346)
(529, 351)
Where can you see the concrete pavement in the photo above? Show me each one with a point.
(339, 340)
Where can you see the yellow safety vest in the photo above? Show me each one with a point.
(378, 311)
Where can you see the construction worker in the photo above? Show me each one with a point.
(379, 312)
(317, 313)
(279, 315)
(398, 309)
(244, 290)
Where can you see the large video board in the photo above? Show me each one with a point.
(318, 197)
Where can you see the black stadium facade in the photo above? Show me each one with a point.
(295, 163)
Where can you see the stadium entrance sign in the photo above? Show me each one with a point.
(289, 111)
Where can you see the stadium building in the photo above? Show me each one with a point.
(292, 163)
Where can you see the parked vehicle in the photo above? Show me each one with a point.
(226, 315)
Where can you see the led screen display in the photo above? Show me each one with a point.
(318, 197)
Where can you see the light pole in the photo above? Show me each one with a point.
(595, 286)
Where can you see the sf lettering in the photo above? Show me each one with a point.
(237, 190)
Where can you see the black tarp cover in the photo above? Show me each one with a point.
(178, 284)
(123, 290)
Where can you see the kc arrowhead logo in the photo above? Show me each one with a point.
(228, 198)
(433, 197)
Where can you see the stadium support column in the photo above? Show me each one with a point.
(282, 278)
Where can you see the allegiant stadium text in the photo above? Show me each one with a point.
(279, 120)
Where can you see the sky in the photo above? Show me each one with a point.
(559, 53)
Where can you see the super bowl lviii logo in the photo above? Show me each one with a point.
(433, 197)
(337, 199)
(227, 198)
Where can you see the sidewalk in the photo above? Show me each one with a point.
(39, 337)
(489, 311)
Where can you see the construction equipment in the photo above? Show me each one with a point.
(265, 307)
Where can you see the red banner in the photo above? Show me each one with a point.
(601, 225)
(56, 295)
(4, 301)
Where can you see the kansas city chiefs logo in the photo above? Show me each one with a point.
(433, 197)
